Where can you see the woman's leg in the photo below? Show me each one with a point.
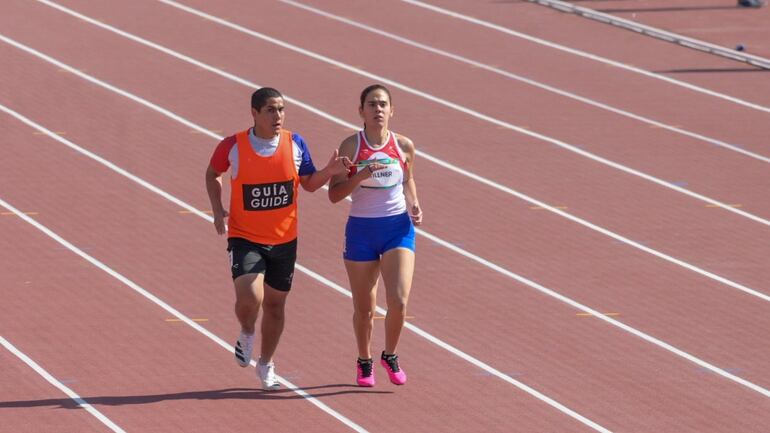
(397, 267)
(363, 284)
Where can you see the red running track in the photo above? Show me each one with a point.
(161, 375)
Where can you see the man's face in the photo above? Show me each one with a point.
(268, 121)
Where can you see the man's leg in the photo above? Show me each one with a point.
(248, 298)
(249, 294)
(273, 306)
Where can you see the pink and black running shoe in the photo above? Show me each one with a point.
(364, 373)
(395, 373)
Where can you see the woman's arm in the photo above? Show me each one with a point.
(336, 165)
(410, 187)
(341, 185)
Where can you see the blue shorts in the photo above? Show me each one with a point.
(366, 239)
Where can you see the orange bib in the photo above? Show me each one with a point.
(263, 198)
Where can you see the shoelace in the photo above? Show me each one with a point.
(366, 368)
(392, 363)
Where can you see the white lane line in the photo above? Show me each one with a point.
(586, 55)
(468, 111)
(171, 310)
(430, 158)
(684, 41)
(421, 232)
(529, 81)
(53, 381)
(489, 369)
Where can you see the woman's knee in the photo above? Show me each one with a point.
(397, 304)
(363, 314)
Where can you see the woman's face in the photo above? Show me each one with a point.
(377, 109)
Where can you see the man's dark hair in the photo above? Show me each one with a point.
(260, 97)
(372, 88)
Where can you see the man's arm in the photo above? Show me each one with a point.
(218, 164)
(337, 165)
(214, 189)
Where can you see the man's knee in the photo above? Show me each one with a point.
(274, 302)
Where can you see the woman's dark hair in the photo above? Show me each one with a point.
(372, 88)
(260, 97)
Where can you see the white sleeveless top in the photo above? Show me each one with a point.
(382, 194)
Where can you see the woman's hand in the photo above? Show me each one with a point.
(367, 170)
(416, 214)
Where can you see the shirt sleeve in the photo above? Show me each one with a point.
(219, 159)
(306, 166)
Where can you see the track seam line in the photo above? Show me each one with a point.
(585, 223)
(531, 82)
(584, 54)
(654, 32)
(457, 107)
(55, 382)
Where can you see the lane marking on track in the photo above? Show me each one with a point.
(383, 317)
(731, 205)
(206, 211)
(684, 41)
(494, 69)
(58, 384)
(545, 208)
(180, 320)
(604, 314)
(157, 301)
(55, 132)
(13, 214)
(437, 240)
(562, 144)
(468, 358)
(474, 176)
(586, 55)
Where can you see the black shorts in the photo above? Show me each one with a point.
(275, 261)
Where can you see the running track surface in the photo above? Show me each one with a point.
(609, 273)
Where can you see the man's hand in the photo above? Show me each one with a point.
(338, 165)
(219, 221)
